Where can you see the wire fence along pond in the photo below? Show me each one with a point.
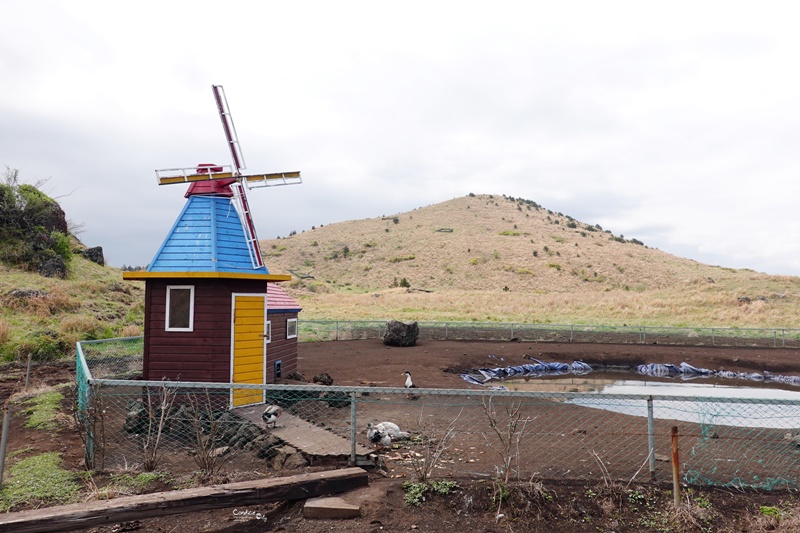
(475, 432)
(327, 330)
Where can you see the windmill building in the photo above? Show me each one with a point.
(213, 311)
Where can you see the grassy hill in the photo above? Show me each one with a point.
(46, 316)
(497, 258)
(476, 258)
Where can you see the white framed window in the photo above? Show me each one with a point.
(268, 331)
(291, 328)
(180, 308)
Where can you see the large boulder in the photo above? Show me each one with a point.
(401, 333)
(95, 255)
(53, 267)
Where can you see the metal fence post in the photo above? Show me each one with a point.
(570, 333)
(4, 440)
(713, 340)
(353, 428)
(651, 438)
(337, 331)
(445, 331)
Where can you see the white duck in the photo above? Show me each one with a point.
(380, 440)
(410, 385)
(388, 428)
(271, 414)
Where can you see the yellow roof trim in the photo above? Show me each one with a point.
(205, 275)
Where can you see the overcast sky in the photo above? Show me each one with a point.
(675, 123)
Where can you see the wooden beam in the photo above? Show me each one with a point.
(241, 494)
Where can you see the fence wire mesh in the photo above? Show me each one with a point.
(185, 427)
(324, 330)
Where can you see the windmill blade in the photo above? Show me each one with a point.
(230, 130)
(169, 176)
(271, 180)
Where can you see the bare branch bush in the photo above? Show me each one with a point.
(205, 430)
(508, 433)
(433, 446)
(159, 405)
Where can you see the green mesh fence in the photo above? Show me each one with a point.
(186, 427)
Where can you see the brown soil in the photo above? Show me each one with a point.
(554, 505)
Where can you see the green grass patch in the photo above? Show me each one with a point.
(38, 480)
(42, 410)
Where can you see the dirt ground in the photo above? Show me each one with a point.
(548, 504)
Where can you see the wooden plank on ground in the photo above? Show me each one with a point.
(99, 513)
(303, 435)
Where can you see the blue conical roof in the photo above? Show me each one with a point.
(207, 237)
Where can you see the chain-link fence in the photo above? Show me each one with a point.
(182, 427)
(325, 330)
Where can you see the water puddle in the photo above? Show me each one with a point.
(710, 399)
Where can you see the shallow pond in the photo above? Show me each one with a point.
(709, 400)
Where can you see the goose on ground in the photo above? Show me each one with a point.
(271, 414)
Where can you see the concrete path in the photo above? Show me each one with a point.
(305, 436)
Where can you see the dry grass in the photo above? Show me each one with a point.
(508, 261)
(5, 331)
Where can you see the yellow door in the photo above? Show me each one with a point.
(249, 347)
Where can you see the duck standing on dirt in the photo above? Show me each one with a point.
(410, 385)
(271, 414)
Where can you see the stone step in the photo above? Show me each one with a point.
(330, 507)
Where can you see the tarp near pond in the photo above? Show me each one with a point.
(486, 376)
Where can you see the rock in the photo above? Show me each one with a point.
(336, 398)
(95, 255)
(330, 507)
(288, 458)
(265, 446)
(401, 333)
(296, 376)
(53, 267)
(323, 378)
(26, 294)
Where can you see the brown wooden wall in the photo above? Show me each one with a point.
(200, 355)
(281, 348)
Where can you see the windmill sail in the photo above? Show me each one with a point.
(228, 179)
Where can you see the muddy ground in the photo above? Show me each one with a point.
(544, 504)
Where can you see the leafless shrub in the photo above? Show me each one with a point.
(507, 434)
(205, 429)
(158, 406)
(434, 444)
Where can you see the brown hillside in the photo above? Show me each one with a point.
(485, 242)
(491, 257)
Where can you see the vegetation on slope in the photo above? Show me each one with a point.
(499, 258)
(44, 316)
(33, 229)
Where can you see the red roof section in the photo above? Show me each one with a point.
(278, 299)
